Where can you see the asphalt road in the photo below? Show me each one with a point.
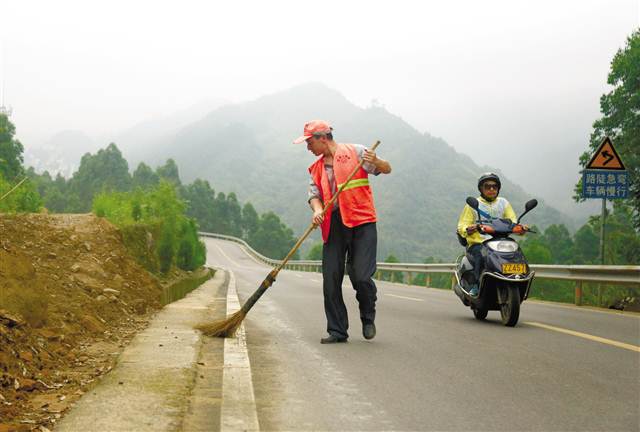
(432, 366)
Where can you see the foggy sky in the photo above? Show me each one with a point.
(514, 84)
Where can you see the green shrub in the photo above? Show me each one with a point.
(165, 250)
(191, 251)
(157, 213)
(184, 260)
(24, 199)
(136, 211)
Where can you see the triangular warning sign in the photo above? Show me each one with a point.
(606, 157)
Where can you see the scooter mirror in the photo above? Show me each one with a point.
(529, 205)
(473, 202)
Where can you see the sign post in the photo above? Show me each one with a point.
(605, 177)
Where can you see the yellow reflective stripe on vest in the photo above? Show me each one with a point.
(355, 183)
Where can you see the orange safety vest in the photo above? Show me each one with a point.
(356, 199)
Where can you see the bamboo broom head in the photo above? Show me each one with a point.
(223, 328)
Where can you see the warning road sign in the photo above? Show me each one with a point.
(605, 158)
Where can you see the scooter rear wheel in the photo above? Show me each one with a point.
(510, 310)
(480, 314)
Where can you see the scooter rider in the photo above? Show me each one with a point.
(490, 206)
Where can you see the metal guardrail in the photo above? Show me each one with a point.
(616, 275)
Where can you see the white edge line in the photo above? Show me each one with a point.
(403, 297)
(238, 412)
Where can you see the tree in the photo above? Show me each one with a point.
(621, 119)
(144, 177)
(169, 172)
(558, 240)
(105, 171)
(10, 151)
(537, 252)
(586, 244)
(200, 199)
(622, 242)
(273, 238)
(220, 219)
(315, 253)
(234, 215)
(250, 220)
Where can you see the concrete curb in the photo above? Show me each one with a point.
(149, 388)
(239, 412)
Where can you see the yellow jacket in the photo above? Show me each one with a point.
(498, 208)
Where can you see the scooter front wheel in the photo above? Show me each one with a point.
(510, 309)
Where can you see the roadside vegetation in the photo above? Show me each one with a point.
(154, 224)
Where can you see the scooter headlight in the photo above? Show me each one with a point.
(503, 246)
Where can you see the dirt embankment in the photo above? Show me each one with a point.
(71, 298)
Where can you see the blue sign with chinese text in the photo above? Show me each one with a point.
(605, 184)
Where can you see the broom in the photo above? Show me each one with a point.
(227, 327)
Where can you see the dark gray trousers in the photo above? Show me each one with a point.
(355, 247)
(474, 254)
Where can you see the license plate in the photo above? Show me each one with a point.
(514, 268)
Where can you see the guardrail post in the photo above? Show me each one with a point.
(578, 295)
(410, 278)
(378, 275)
(453, 281)
(428, 280)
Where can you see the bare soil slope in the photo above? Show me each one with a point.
(70, 299)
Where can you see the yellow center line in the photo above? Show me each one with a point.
(587, 336)
(406, 298)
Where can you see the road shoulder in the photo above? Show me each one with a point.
(151, 386)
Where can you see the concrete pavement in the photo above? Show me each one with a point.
(151, 388)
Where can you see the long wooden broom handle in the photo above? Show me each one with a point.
(324, 211)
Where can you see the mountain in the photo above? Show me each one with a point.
(246, 148)
(140, 140)
(63, 151)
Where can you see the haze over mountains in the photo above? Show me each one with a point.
(246, 148)
(62, 152)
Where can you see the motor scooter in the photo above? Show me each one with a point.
(506, 278)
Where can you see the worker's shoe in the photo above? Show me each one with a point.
(332, 339)
(368, 330)
(474, 290)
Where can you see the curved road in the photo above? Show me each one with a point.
(432, 366)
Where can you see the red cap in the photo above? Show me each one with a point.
(314, 127)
